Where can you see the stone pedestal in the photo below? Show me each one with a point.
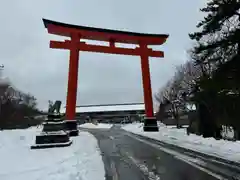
(49, 140)
(71, 127)
(150, 124)
(54, 134)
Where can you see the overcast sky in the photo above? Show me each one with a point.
(33, 67)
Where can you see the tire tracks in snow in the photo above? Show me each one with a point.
(200, 163)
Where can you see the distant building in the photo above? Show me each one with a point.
(108, 113)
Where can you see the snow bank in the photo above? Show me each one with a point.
(225, 149)
(81, 160)
(97, 126)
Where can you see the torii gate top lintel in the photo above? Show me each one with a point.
(101, 34)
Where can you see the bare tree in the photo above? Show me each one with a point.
(15, 106)
(173, 92)
(189, 73)
(3, 88)
(168, 98)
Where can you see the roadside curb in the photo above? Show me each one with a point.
(184, 150)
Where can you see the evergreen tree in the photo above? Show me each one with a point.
(219, 36)
(218, 53)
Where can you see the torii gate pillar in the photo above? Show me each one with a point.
(77, 33)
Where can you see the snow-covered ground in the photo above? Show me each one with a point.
(96, 126)
(82, 160)
(222, 148)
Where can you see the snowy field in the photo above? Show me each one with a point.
(97, 126)
(81, 160)
(222, 148)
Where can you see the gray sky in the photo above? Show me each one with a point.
(33, 67)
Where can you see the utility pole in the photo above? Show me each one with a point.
(1, 70)
(1, 76)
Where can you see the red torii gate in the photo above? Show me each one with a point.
(76, 33)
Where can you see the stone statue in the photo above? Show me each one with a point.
(54, 108)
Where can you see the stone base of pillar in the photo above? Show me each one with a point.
(71, 127)
(50, 140)
(53, 134)
(150, 124)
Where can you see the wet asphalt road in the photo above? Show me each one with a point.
(126, 158)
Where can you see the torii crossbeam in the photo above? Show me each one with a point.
(75, 45)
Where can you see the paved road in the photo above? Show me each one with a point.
(126, 157)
